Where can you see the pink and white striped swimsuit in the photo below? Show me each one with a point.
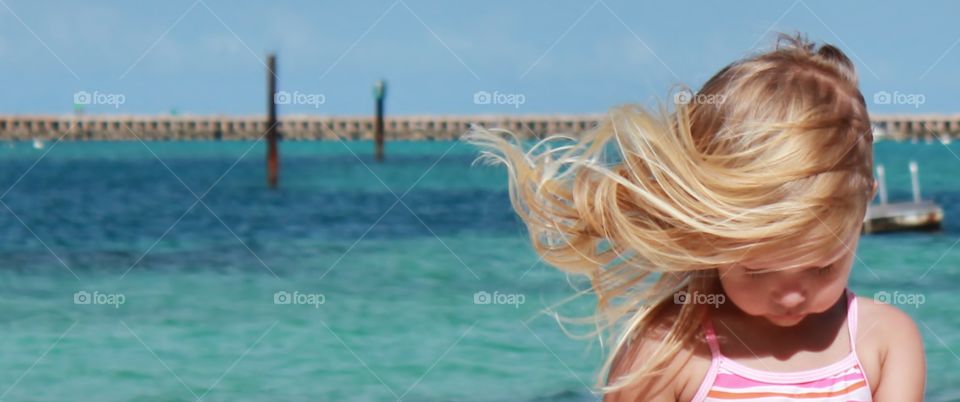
(843, 381)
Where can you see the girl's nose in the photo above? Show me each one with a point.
(791, 299)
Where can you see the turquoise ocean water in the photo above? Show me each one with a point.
(118, 285)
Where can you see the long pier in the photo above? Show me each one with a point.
(162, 128)
(187, 127)
(926, 127)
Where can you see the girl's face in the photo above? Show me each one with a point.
(786, 297)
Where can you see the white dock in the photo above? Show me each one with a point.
(900, 216)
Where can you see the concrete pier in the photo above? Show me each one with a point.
(926, 127)
(165, 128)
(313, 127)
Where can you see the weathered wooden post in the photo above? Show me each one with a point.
(882, 183)
(915, 181)
(273, 162)
(379, 91)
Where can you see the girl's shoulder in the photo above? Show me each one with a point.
(678, 379)
(884, 332)
(881, 324)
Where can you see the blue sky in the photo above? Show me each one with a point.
(532, 57)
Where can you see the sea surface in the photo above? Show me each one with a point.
(167, 271)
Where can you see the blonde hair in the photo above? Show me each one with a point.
(772, 157)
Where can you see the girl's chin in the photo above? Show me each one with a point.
(786, 320)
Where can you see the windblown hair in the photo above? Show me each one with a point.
(772, 157)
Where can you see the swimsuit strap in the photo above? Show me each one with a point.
(852, 318)
(711, 377)
(711, 337)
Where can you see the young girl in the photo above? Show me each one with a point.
(719, 238)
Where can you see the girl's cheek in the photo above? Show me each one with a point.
(745, 293)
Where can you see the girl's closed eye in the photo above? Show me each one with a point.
(823, 271)
(753, 274)
(819, 271)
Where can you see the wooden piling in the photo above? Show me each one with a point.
(915, 181)
(379, 91)
(273, 158)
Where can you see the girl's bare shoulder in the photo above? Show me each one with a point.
(879, 324)
(887, 338)
(679, 378)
